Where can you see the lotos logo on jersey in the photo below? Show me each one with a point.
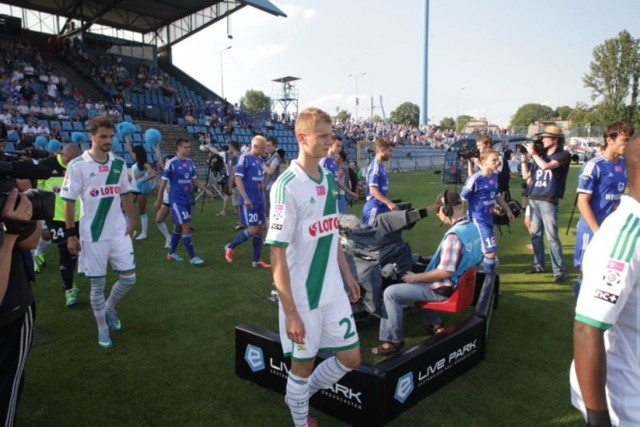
(324, 227)
(107, 190)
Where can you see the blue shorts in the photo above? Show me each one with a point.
(488, 242)
(583, 237)
(145, 187)
(371, 209)
(180, 213)
(253, 217)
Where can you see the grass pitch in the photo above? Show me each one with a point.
(173, 362)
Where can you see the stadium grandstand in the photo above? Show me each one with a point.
(69, 60)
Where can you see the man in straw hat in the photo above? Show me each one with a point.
(547, 178)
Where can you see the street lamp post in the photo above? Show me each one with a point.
(222, 72)
(458, 107)
(356, 75)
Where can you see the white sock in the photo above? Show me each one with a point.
(144, 220)
(42, 244)
(120, 289)
(297, 398)
(326, 375)
(97, 301)
(163, 229)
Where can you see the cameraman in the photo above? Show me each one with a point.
(547, 178)
(17, 303)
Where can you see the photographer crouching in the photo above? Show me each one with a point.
(547, 178)
(19, 233)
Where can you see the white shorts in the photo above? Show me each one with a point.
(94, 256)
(327, 328)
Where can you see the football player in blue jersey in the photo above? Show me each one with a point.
(249, 176)
(329, 162)
(547, 179)
(481, 192)
(601, 184)
(180, 174)
(378, 184)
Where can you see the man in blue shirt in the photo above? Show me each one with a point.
(180, 173)
(601, 184)
(329, 162)
(249, 176)
(547, 179)
(378, 184)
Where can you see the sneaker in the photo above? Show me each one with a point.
(260, 264)
(174, 257)
(75, 288)
(560, 278)
(167, 244)
(39, 262)
(534, 270)
(141, 237)
(196, 260)
(113, 321)
(274, 296)
(104, 340)
(239, 227)
(228, 254)
(70, 298)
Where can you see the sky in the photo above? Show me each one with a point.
(486, 57)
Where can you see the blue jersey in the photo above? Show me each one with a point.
(480, 192)
(329, 163)
(180, 173)
(377, 177)
(250, 169)
(605, 182)
(550, 184)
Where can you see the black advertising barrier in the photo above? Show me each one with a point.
(374, 394)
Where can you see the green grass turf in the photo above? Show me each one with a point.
(173, 362)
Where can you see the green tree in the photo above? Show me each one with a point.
(256, 101)
(582, 115)
(563, 111)
(448, 123)
(613, 76)
(407, 113)
(462, 121)
(343, 115)
(530, 113)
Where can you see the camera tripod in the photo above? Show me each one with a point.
(213, 183)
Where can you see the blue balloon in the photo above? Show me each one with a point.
(125, 128)
(54, 145)
(41, 141)
(78, 137)
(152, 137)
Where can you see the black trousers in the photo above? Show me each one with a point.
(15, 343)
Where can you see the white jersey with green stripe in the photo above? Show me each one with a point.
(99, 186)
(304, 219)
(610, 300)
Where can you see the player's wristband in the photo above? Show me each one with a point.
(71, 232)
(598, 418)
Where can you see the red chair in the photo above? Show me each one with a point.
(461, 298)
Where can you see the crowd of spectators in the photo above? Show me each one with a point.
(403, 134)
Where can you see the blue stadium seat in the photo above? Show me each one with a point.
(10, 147)
(66, 125)
(13, 136)
(78, 126)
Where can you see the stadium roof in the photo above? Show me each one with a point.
(168, 19)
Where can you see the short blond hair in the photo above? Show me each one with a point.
(309, 118)
(382, 144)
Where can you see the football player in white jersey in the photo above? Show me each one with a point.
(100, 179)
(307, 262)
(605, 375)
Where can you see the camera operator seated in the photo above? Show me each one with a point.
(459, 250)
(17, 304)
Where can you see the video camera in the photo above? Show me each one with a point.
(34, 153)
(42, 202)
(538, 146)
(467, 152)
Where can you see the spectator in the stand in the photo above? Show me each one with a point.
(378, 184)
(167, 110)
(34, 109)
(26, 91)
(52, 90)
(7, 119)
(76, 94)
(56, 133)
(47, 111)
(179, 107)
(59, 111)
(22, 109)
(43, 130)
(29, 131)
